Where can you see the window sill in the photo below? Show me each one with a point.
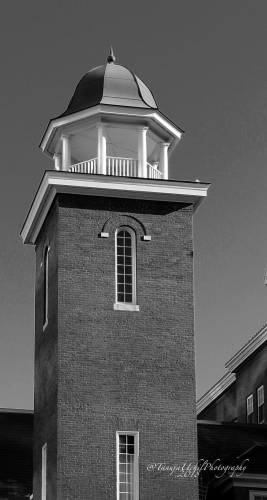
(126, 307)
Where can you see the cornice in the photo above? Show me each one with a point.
(244, 480)
(210, 396)
(106, 110)
(242, 355)
(55, 182)
(246, 351)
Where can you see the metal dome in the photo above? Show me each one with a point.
(110, 84)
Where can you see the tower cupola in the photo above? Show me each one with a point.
(112, 126)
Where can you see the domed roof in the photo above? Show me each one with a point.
(110, 84)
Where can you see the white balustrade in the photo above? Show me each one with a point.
(85, 167)
(122, 167)
(153, 172)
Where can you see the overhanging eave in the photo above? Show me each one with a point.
(55, 182)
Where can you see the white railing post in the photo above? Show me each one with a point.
(102, 149)
(57, 160)
(163, 159)
(142, 152)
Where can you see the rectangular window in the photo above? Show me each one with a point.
(250, 409)
(45, 286)
(127, 465)
(44, 470)
(260, 400)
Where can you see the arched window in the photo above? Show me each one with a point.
(45, 286)
(125, 266)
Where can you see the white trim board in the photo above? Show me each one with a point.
(245, 480)
(106, 109)
(258, 340)
(242, 355)
(210, 396)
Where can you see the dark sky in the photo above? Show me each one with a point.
(206, 64)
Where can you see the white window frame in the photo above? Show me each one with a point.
(45, 277)
(127, 306)
(255, 493)
(136, 461)
(44, 470)
(260, 401)
(249, 406)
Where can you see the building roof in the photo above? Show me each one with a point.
(113, 95)
(216, 390)
(257, 341)
(110, 84)
(250, 348)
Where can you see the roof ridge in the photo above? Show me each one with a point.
(255, 335)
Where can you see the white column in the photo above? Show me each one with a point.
(66, 156)
(102, 149)
(142, 152)
(163, 159)
(57, 160)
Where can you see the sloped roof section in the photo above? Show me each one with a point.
(256, 342)
(110, 84)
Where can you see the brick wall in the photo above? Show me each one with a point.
(249, 378)
(223, 409)
(118, 370)
(46, 362)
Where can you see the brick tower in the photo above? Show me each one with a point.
(114, 341)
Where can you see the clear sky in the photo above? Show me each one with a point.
(206, 64)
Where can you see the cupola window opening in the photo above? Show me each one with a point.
(117, 149)
(125, 266)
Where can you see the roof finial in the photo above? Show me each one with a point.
(111, 58)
